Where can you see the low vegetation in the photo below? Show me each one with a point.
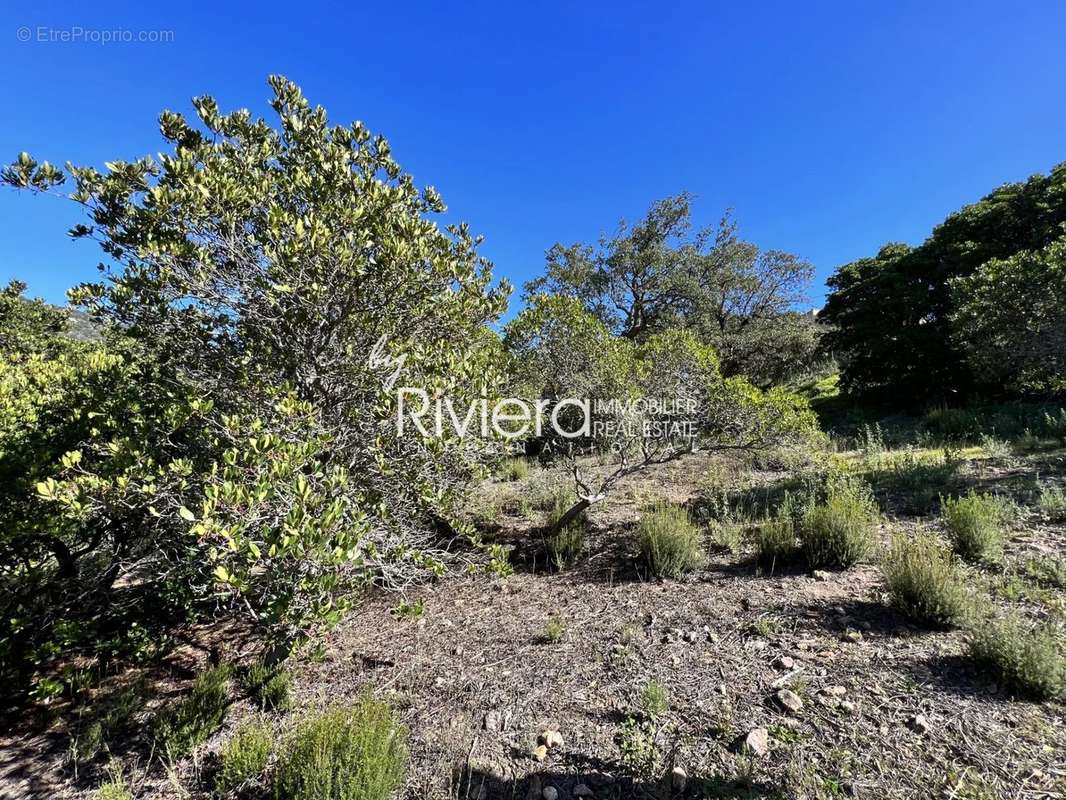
(975, 525)
(220, 469)
(192, 718)
(514, 469)
(924, 583)
(1052, 503)
(1028, 659)
(270, 685)
(841, 530)
(355, 753)
(669, 541)
(244, 756)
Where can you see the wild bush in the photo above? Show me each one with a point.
(775, 542)
(654, 700)
(923, 583)
(728, 536)
(975, 526)
(565, 545)
(554, 630)
(244, 755)
(110, 715)
(329, 226)
(1055, 425)
(996, 449)
(1047, 570)
(1028, 659)
(1052, 503)
(353, 753)
(514, 469)
(187, 722)
(669, 542)
(114, 789)
(841, 530)
(270, 685)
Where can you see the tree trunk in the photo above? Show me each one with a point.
(571, 514)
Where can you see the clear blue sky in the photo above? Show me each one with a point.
(829, 127)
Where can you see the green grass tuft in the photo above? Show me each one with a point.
(185, 724)
(514, 469)
(565, 546)
(270, 685)
(840, 531)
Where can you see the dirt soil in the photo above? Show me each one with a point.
(888, 710)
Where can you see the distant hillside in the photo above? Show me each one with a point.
(81, 326)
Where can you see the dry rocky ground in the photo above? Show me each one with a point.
(879, 708)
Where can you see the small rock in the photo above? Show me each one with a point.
(784, 662)
(852, 635)
(918, 723)
(582, 790)
(789, 700)
(756, 742)
(550, 793)
(551, 739)
(540, 752)
(822, 575)
(837, 691)
(679, 779)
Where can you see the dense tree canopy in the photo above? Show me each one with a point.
(891, 315)
(1010, 320)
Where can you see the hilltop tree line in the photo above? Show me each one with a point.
(224, 441)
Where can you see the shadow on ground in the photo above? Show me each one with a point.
(479, 785)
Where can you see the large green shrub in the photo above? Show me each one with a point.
(975, 525)
(93, 452)
(669, 542)
(355, 753)
(923, 583)
(841, 530)
(293, 273)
